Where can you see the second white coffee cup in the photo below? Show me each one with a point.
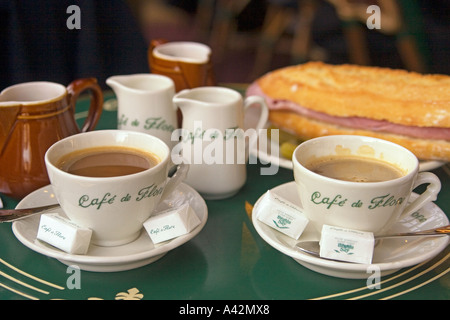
(365, 206)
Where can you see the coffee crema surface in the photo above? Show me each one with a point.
(354, 169)
(107, 161)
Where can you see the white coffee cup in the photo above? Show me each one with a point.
(365, 206)
(114, 208)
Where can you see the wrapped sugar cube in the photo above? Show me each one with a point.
(64, 234)
(171, 223)
(282, 215)
(346, 244)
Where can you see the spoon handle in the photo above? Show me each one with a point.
(9, 215)
(438, 231)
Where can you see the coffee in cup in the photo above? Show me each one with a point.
(108, 161)
(354, 168)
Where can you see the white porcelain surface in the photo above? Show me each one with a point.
(138, 253)
(389, 256)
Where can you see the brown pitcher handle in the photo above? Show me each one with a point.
(154, 43)
(95, 110)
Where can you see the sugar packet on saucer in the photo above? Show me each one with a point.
(64, 234)
(346, 244)
(171, 223)
(282, 215)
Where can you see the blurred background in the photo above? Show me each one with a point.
(248, 37)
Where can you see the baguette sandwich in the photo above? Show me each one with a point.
(316, 99)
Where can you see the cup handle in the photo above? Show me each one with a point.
(429, 195)
(95, 110)
(156, 42)
(250, 100)
(175, 180)
(153, 44)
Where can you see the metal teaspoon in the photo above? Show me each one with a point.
(9, 215)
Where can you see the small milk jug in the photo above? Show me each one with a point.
(145, 104)
(213, 140)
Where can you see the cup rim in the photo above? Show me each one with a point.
(186, 94)
(27, 85)
(157, 51)
(401, 179)
(170, 85)
(52, 148)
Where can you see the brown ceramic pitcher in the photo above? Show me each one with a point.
(188, 64)
(33, 116)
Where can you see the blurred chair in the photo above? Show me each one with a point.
(217, 20)
(400, 18)
(282, 14)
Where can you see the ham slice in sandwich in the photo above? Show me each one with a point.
(316, 99)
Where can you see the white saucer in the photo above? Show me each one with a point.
(138, 253)
(389, 256)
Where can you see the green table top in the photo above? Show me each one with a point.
(227, 260)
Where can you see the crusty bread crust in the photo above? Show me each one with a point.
(397, 96)
(306, 128)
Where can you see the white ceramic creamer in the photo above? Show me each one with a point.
(145, 104)
(212, 138)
